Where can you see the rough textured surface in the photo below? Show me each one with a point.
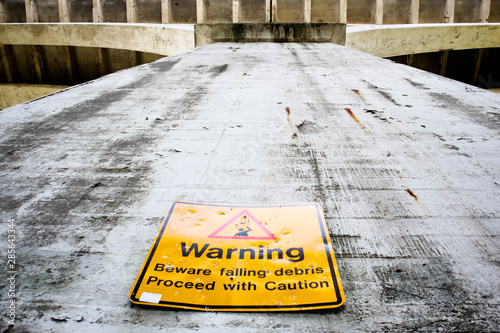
(405, 164)
(270, 32)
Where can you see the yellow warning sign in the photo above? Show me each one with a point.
(215, 257)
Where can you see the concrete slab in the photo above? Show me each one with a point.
(406, 165)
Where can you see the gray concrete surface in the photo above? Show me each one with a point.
(406, 165)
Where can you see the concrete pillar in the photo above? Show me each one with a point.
(201, 13)
(379, 12)
(63, 11)
(97, 11)
(165, 11)
(274, 11)
(414, 9)
(131, 11)
(69, 56)
(484, 11)
(3, 13)
(38, 53)
(307, 11)
(5, 62)
(449, 12)
(31, 11)
(444, 62)
(479, 57)
(268, 11)
(236, 11)
(343, 11)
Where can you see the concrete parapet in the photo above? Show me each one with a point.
(270, 32)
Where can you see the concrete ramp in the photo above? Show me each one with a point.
(405, 164)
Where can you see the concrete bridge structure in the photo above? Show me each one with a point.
(404, 162)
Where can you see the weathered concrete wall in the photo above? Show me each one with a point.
(12, 94)
(183, 11)
(361, 11)
(270, 32)
(289, 10)
(88, 174)
(48, 11)
(114, 11)
(325, 11)
(80, 10)
(148, 11)
(252, 11)
(388, 41)
(219, 11)
(396, 11)
(161, 39)
(432, 11)
(466, 11)
(494, 11)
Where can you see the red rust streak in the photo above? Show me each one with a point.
(410, 192)
(350, 113)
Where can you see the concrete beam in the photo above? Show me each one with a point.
(31, 11)
(153, 38)
(394, 40)
(270, 32)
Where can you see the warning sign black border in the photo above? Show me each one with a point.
(311, 306)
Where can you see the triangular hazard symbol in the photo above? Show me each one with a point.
(242, 226)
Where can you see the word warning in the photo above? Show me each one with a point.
(214, 257)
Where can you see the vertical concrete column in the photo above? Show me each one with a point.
(379, 12)
(63, 11)
(307, 11)
(131, 11)
(274, 10)
(201, 13)
(165, 11)
(479, 57)
(268, 11)
(236, 11)
(484, 11)
(5, 61)
(444, 62)
(449, 12)
(31, 11)
(343, 11)
(414, 9)
(97, 11)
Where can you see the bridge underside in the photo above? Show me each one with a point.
(404, 163)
